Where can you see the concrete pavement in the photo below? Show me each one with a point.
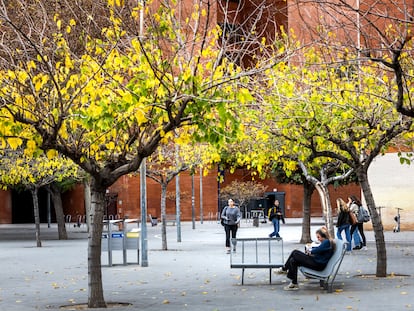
(194, 274)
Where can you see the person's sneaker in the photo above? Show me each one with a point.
(234, 249)
(280, 271)
(270, 235)
(291, 286)
(357, 247)
(228, 251)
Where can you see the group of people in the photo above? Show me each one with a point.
(315, 258)
(349, 224)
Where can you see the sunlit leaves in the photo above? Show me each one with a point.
(21, 169)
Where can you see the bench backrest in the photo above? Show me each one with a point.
(335, 260)
(258, 251)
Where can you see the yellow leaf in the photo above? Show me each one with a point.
(110, 145)
(51, 154)
(14, 142)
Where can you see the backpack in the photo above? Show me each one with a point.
(363, 215)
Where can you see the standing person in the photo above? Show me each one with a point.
(231, 216)
(275, 216)
(343, 223)
(354, 205)
(315, 259)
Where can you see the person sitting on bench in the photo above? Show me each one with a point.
(315, 258)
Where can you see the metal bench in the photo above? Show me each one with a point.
(257, 253)
(327, 275)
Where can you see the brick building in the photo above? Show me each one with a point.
(124, 194)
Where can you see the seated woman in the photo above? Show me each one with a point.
(315, 258)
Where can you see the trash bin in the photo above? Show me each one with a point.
(116, 239)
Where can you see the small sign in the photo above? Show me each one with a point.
(104, 236)
(117, 235)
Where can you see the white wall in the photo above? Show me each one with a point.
(392, 185)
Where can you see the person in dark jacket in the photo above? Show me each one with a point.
(343, 223)
(315, 258)
(275, 216)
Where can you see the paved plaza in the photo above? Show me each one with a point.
(194, 274)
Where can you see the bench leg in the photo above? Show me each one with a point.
(242, 276)
(327, 285)
(270, 276)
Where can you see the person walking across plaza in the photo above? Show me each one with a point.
(231, 216)
(316, 258)
(275, 215)
(343, 223)
(357, 229)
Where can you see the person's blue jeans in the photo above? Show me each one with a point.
(356, 237)
(276, 228)
(347, 229)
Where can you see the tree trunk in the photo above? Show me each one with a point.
(95, 288)
(87, 194)
(164, 216)
(308, 189)
(326, 206)
(60, 217)
(35, 199)
(376, 224)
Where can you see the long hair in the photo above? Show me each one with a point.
(323, 232)
(355, 199)
(342, 206)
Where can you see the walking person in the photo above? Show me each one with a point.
(343, 223)
(231, 216)
(354, 203)
(275, 215)
(315, 258)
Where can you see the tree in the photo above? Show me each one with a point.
(167, 162)
(379, 31)
(378, 35)
(162, 167)
(21, 172)
(339, 116)
(242, 192)
(108, 100)
(322, 187)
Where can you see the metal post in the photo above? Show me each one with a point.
(109, 243)
(143, 191)
(124, 242)
(177, 197)
(192, 200)
(49, 216)
(201, 195)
